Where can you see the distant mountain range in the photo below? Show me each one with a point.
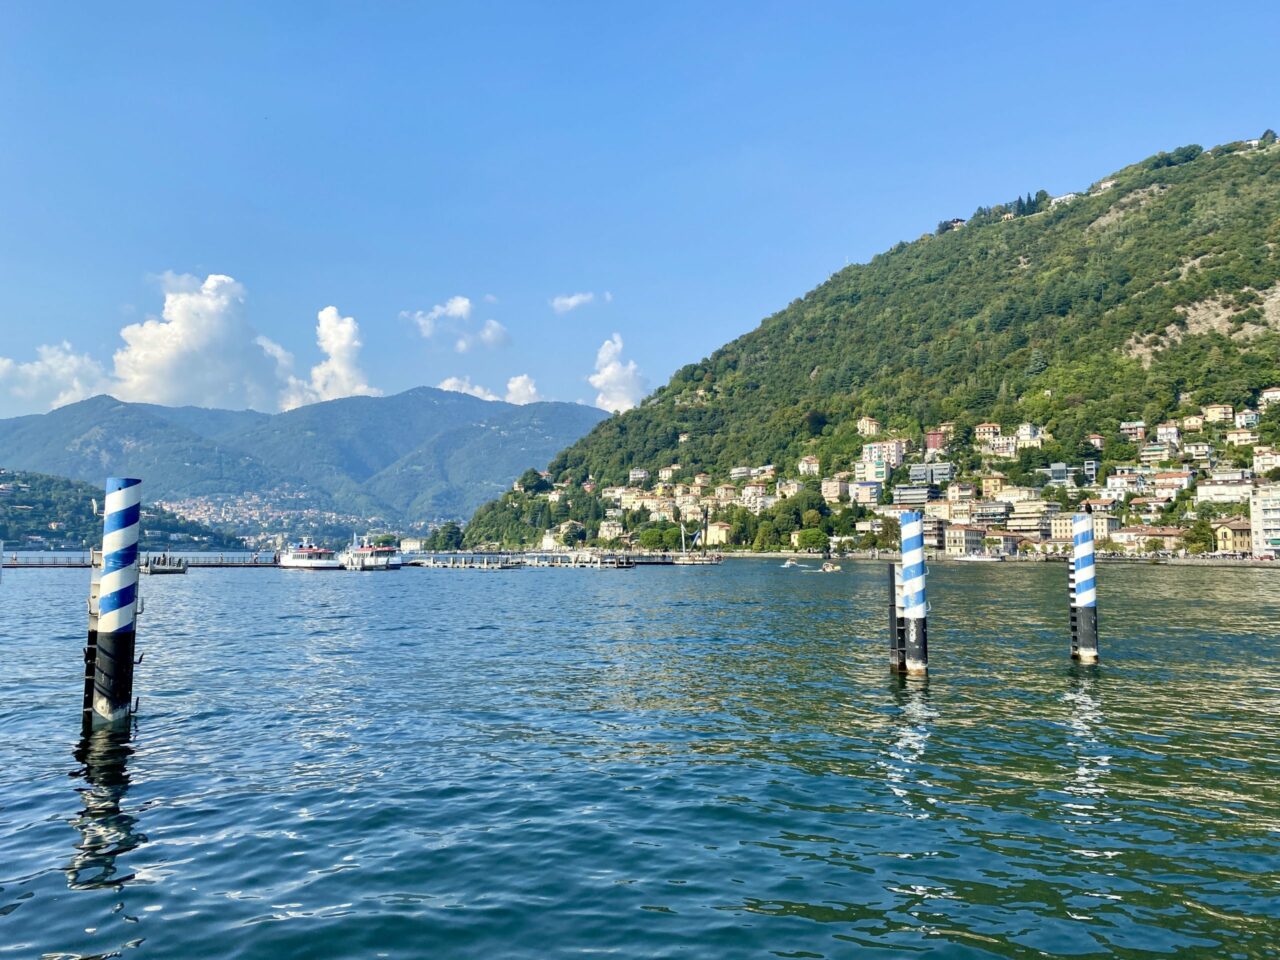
(423, 454)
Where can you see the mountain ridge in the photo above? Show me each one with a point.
(1153, 292)
(338, 455)
(994, 320)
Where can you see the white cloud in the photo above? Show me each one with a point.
(55, 378)
(282, 357)
(338, 375)
(570, 301)
(201, 350)
(490, 298)
(608, 297)
(491, 335)
(620, 384)
(428, 321)
(464, 385)
(521, 390)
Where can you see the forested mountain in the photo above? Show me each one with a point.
(418, 455)
(38, 510)
(1154, 291)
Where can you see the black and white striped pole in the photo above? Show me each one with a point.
(909, 644)
(1082, 587)
(113, 607)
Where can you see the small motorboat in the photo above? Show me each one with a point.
(791, 562)
(830, 567)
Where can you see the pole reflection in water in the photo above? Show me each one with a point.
(913, 726)
(1092, 756)
(105, 831)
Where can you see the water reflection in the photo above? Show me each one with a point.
(912, 727)
(1086, 785)
(106, 831)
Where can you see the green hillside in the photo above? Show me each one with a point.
(39, 511)
(1151, 292)
(1159, 291)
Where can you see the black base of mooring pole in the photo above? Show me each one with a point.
(90, 668)
(113, 677)
(1084, 634)
(917, 647)
(897, 627)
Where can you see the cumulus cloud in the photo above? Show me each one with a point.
(521, 390)
(201, 350)
(428, 321)
(55, 378)
(453, 318)
(338, 375)
(620, 384)
(491, 335)
(464, 385)
(570, 301)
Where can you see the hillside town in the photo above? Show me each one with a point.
(1202, 484)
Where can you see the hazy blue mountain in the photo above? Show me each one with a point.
(421, 454)
(103, 436)
(208, 423)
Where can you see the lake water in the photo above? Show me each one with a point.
(648, 763)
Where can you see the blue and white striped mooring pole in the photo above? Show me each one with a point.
(909, 645)
(111, 650)
(1082, 586)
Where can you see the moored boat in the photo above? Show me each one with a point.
(978, 558)
(164, 563)
(365, 556)
(305, 555)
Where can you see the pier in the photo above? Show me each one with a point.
(85, 561)
(580, 560)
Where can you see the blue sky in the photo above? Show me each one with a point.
(693, 167)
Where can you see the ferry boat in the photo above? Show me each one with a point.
(305, 555)
(366, 556)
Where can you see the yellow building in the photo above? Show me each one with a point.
(992, 485)
(718, 534)
(1234, 536)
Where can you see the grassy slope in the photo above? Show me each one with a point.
(1029, 319)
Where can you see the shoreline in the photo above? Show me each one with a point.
(893, 556)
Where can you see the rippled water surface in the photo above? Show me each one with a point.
(648, 763)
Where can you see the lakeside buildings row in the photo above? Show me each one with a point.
(1142, 506)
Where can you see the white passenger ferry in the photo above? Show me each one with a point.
(305, 555)
(365, 555)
